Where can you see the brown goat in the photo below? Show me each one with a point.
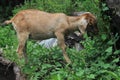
(39, 25)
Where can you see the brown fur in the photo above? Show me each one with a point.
(39, 25)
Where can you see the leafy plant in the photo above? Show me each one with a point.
(97, 61)
(46, 5)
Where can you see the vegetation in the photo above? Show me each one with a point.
(97, 61)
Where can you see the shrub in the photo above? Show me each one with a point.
(97, 61)
(46, 5)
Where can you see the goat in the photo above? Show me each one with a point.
(39, 25)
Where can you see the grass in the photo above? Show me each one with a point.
(48, 64)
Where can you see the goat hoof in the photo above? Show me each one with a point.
(68, 61)
(20, 56)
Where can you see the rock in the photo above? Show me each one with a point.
(114, 6)
(78, 46)
(9, 70)
(71, 41)
(49, 43)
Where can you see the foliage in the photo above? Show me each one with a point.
(97, 61)
(46, 5)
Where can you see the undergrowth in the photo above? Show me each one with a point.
(97, 61)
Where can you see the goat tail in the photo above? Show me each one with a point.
(6, 22)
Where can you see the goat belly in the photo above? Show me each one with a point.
(41, 36)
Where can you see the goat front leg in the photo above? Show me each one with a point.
(61, 43)
(22, 38)
(82, 29)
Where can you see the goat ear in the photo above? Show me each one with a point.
(91, 20)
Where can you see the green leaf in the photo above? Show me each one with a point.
(115, 60)
(109, 50)
(59, 77)
(114, 75)
(117, 52)
(91, 76)
(45, 66)
(106, 66)
(80, 73)
(105, 8)
(104, 37)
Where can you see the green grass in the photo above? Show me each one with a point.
(98, 61)
(92, 63)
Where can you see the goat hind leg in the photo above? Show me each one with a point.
(22, 38)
